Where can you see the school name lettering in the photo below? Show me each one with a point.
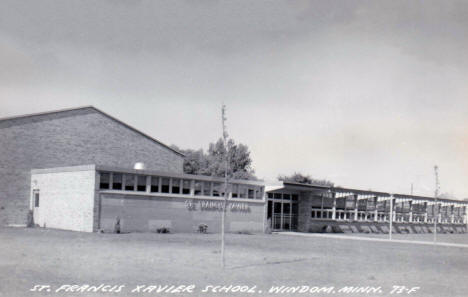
(226, 289)
(216, 205)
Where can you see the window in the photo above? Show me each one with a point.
(129, 182)
(407, 206)
(235, 190)
(216, 189)
(104, 180)
(295, 210)
(242, 191)
(277, 195)
(259, 193)
(270, 195)
(277, 207)
(251, 193)
(270, 206)
(222, 190)
(117, 181)
(165, 185)
(207, 188)
(380, 205)
(294, 197)
(362, 204)
(197, 188)
(155, 184)
(286, 208)
(141, 183)
(286, 197)
(186, 186)
(36, 199)
(175, 186)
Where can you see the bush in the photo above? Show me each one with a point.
(315, 228)
(163, 230)
(327, 229)
(203, 228)
(337, 229)
(117, 225)
(30, 219)
(245, 232)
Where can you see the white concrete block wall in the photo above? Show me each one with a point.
(66, 199)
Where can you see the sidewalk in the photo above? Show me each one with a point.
(337, 236)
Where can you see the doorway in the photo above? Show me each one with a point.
(283, 211)
(36, 204)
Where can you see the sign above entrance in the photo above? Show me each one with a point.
(216, 205)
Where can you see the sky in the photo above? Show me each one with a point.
(367, 94)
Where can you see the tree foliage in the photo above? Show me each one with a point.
(298, 177)
(447, 195)
(212, 162)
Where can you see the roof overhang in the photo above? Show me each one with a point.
(292, 186)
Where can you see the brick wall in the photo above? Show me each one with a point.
(141, 213)
(69, 138)
(305, 202)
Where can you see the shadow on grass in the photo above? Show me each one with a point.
(270, 263)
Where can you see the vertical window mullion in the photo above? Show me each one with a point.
(148, 183)
(111, 180)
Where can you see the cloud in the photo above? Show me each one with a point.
(371, 93)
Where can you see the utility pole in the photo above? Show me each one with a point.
(436, 195)
(226, 160)
(391, 217)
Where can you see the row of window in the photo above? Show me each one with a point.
(369, 205)
(429, 210)
(371, 216)
(283, 196)
(173, 185)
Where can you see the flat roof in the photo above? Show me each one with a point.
(315, 187)
(304, 187)
(106, 168)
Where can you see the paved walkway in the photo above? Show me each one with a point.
(348, 237)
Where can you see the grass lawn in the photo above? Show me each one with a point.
(51, 257)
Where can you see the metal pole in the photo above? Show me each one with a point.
(391, 217)
(226, 160)
(436, 194)
(436, 217)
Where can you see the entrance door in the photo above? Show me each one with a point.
(286, 216)
(276, 219)
(36, 204)
(283, 211)
(294, 214)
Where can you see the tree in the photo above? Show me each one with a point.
(211, 163)
(298, 177)
(195, 161)
(446, 195)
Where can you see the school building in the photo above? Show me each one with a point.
(82, 169)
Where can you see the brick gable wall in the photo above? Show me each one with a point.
(76, 137)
